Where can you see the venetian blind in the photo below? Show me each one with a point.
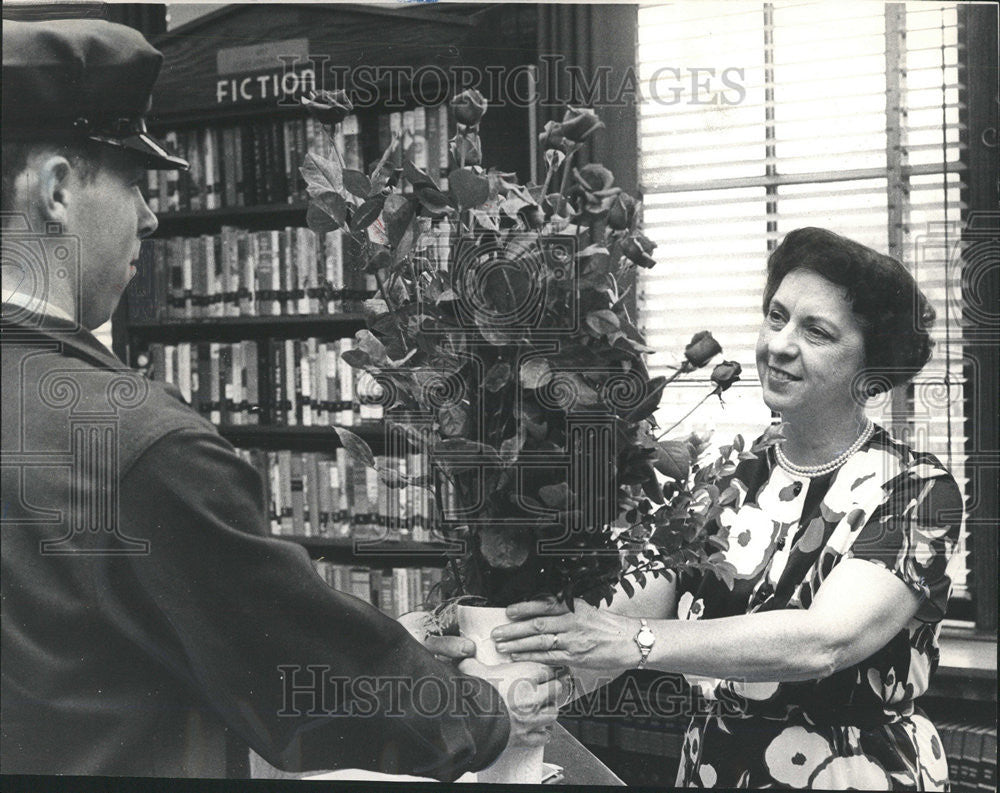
(759, 118)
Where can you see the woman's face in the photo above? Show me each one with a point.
(810, 350)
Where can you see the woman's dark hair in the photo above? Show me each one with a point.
(894, 315)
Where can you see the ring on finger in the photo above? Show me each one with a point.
(555, 641)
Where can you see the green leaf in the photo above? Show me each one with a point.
(334, 205)
(497, 377)
(321, 175)
(356, 447)
(510, 448)
(415, 176)
(357, 358)
(398, 213)
(357, 183)
(453, 420)
(368, 343)
(556, 496)
(673, 459)
(432, 199)
(319, 221)
(738, 443)
(602, 322)
(470, 189)
(535, 372)
(367, 213)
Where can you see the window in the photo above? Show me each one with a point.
(759, 118)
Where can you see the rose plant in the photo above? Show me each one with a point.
(505, 351)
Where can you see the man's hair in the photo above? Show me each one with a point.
(84, 156)
(895, 316)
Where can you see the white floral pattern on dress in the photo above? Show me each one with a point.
(856, 772)
(752, 536)
(793, 756)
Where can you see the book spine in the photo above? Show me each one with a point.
(170, 180)
(305, 270)
(247, 254)
(207, 143)
(229, 166)
(443, 147)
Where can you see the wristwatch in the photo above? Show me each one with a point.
(644, 639)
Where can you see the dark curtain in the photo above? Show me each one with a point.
(595, 45)
(981, 294)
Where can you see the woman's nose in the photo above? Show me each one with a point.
(782, 343)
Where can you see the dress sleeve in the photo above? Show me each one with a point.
(913, 535)
(311, 678)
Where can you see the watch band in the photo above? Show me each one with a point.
(644, 640)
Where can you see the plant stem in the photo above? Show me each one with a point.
(451, 559)
(713, 392)
(389, 302)
(333, 145)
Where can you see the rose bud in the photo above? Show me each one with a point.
(532, 216)
(469, 107)
(466, 149)
(580, 123)
(702, 348)
(552, 136)
(637, 249)
(622, 212)
(725, 374)
(328, 107)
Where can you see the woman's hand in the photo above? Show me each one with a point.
(586, 638)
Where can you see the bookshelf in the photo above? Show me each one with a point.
(245, 310)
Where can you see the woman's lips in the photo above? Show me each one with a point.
(780, 376)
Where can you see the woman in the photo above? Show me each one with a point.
(840, 540)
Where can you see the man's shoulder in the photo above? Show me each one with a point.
(51, 382)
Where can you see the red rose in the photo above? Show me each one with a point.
(580, 123)
(469, 106)
(637, 249)
(328, 107)
(725, 374)
(701, 349)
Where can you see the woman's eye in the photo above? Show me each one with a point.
(775, 317)
(818, 333)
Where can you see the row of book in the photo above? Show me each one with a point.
(257, 162)
(972, 756)
(395, 592)
(277, 382)
(624, 743)
(327, 494)
(238, 272)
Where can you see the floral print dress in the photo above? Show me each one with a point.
(857, 728)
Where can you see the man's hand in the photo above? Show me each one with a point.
(532, 693)
(426, 630)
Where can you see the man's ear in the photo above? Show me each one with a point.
(54, 188)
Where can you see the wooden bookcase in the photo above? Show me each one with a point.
(243, 68)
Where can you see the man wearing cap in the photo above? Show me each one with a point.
(146, 613)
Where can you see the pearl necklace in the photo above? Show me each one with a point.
(811, 471)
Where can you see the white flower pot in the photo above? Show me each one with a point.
(516, 764)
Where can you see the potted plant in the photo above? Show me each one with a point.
(505, 351)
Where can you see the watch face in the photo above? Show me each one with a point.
(645, 637)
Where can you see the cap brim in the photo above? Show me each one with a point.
(153, 155)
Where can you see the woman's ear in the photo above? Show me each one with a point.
(53, 188)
